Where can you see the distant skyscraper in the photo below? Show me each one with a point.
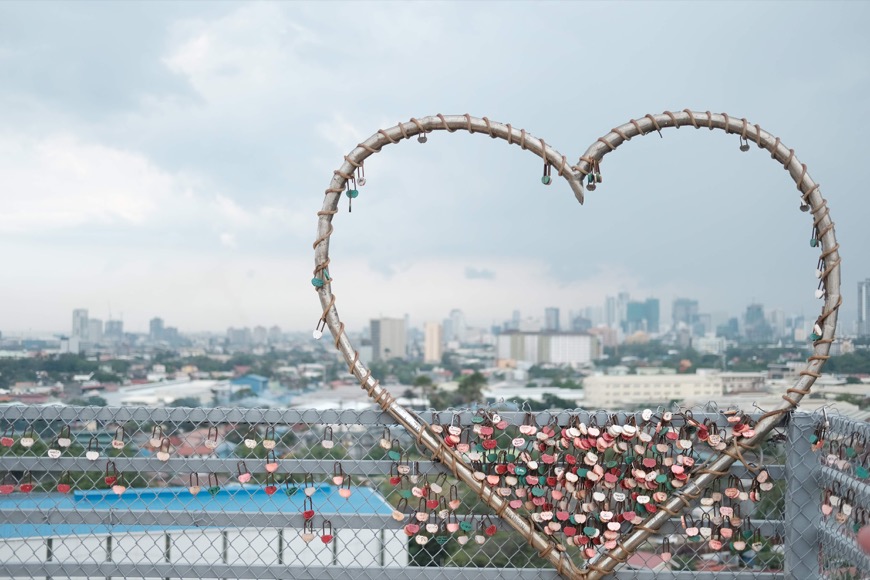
(457, 323)
(611, 316)
(95, 330)
(275, 334)
(551, 319)
(80, 324)
(239, 336)
(260, 335)
(684, 311)
(155, 329)
(432, 341)
(756, 328)
(864, 308)
(642, 316)
(114, 329)
(388, 338)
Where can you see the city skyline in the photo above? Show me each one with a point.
(549, 318)
(180, 173)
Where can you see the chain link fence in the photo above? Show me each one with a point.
(253, 493)
(844, 495)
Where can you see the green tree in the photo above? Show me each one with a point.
(185, 402)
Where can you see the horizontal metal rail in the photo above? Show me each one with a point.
(220, 415)
(185, 465)
(861, 489)
(165, 570)
(235, 519)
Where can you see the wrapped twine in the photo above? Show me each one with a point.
(588, 166)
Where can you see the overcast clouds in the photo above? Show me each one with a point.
(169, 159)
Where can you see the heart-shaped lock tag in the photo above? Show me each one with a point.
(194, 487)
(27, 439)
(165, 447)
(244, 476)
(211, 440)
(54, 453)
(156, 436)
(337, 474)
(269, 439)
(307, 533)
(111, 475)
(326, 532)
(307, 509)
(411, 529)
(8, 438)
(63, 439)
(327, 442)
(118, 439)
(63, 485)
(93, 453)
(271, 463)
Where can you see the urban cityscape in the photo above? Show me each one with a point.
(621, 353)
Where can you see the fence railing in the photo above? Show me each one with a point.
(262, 493)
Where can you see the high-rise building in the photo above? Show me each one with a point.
(239, 336)
(95, 330)
(457, 323)
(551, 319)
(432, 342)
(864, 308)
(642, 316)
(260, 335)
(388, 338)
(80, 324)
(611, 318)
(756, 328)
(684, 312)
(275, 334)
(114, 329)
(155, 329)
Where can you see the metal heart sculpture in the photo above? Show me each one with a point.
(351, 175)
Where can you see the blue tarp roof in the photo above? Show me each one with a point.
(245, 499)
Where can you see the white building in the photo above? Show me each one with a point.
(95, 330)
(609, 391)
(432, 342)
(80, 324)
(388, 338)
(556, 348)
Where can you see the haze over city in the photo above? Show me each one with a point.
(178, 174)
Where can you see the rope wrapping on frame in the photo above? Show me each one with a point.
(587, 165)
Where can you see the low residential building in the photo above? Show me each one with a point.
(615, 392)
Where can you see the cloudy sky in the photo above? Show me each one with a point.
(169, 159)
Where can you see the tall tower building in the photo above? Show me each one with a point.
(114, 329)
(457, 324)
(155, 328)
(388, 338)
(432, 341)
(551, 319)
(95, 330)
(684, 311)
(864, 308)
(80, 324)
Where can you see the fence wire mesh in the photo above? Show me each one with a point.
(844, 495)
(251, 493)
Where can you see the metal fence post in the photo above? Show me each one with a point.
(803, 515)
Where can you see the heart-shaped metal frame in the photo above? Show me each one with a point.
(588, 167)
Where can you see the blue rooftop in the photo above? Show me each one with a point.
(245, 499)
